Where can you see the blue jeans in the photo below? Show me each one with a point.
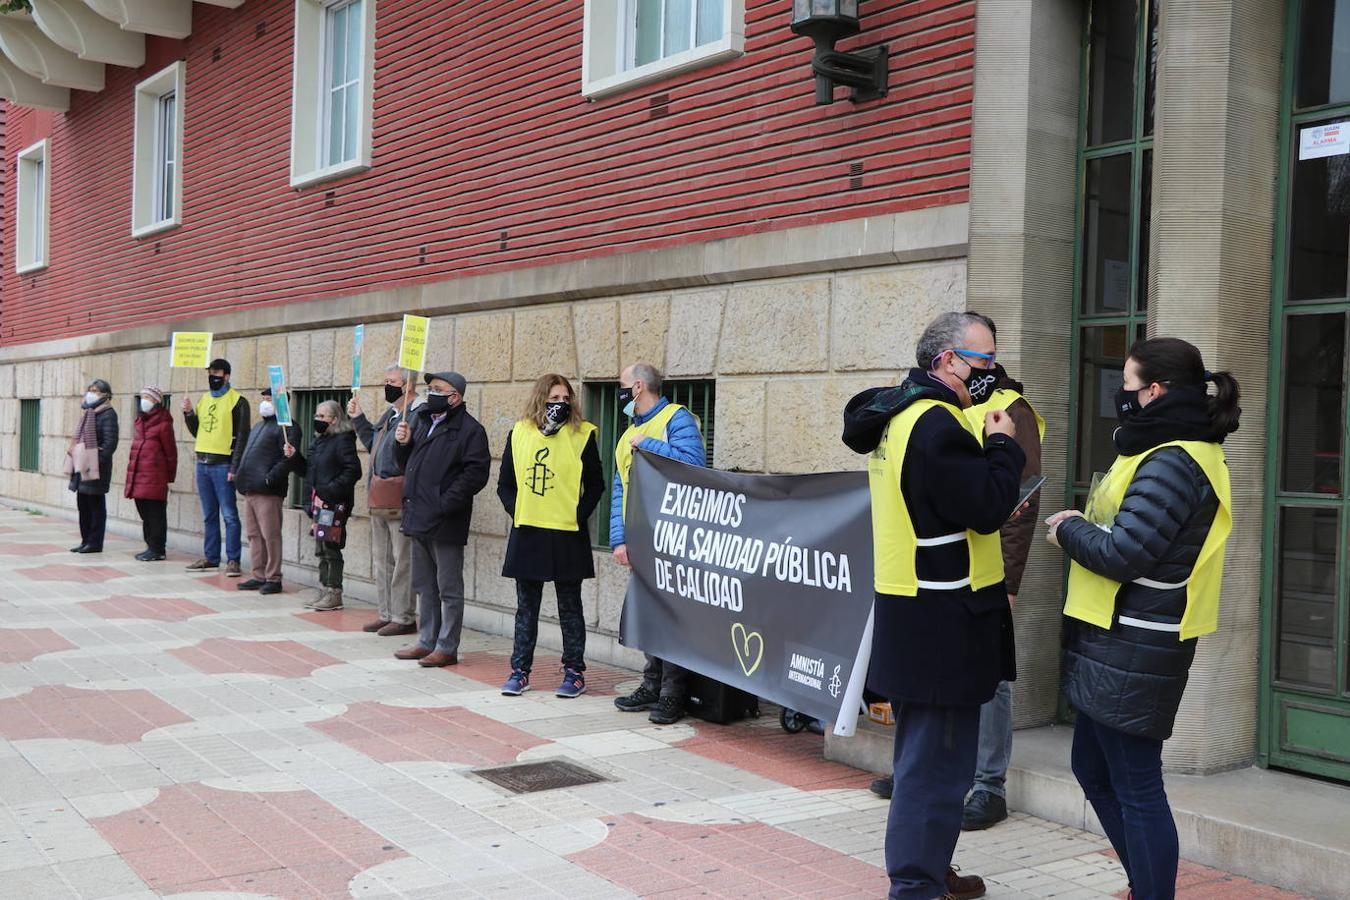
(217, 495)
(934, 766)
(991, 766)
(1121, 775)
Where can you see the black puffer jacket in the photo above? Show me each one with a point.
(1131, 678)
(105, 423)
(264, 468)
(334, 468)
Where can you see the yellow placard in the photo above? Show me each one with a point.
(412, 347)
(190, 350)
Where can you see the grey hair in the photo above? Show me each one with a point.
(404, 373)
(946, 332)
(340, 421)
(649, 375)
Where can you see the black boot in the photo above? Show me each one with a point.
(883, 787)
(983, 810)
(642, 698)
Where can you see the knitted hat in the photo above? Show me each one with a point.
(150, 392)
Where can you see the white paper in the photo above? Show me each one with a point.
(1116, 284)
(1319, 141)
(1108, 382)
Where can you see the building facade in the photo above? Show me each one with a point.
(576, 188)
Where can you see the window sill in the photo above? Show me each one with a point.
(729, 47)
(28, 268)
(147, 230)
(320, 175)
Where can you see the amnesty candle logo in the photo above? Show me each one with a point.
(541, 477)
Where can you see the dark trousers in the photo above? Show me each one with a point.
(330, 564)
(665, 678)
(571, 619)
(935, 749)
(93, 518)
(154, 523)
(438, 577)
(1121, 775)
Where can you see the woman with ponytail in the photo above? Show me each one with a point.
(1146, 567)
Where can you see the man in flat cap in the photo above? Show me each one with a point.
(444, 454)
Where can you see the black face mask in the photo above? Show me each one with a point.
(981, 383)
(556, 416)
(437, 403)
(320, 426)
(392, 393)
(1127, 404)
(215, 381)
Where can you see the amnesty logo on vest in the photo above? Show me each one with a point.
(548, 470)
(215, 423)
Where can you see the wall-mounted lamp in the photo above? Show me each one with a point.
(826, 22)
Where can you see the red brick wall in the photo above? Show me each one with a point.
(485, 154)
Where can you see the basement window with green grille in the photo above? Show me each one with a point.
(30, 435)
(303, 406)
(603, 408)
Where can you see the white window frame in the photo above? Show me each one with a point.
(609, 44)
(149, 187)
(310, 93)
(32, 215)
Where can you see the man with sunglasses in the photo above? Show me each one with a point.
(942, 629)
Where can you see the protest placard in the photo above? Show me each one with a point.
(276, 379)
(190, 350)
(412, 346)
(358, 341)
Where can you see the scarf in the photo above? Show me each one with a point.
(1182, 414)
(82, 455)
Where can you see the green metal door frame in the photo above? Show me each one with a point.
(1274, 746)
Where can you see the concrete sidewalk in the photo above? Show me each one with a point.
(164, 734)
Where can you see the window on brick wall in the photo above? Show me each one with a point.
(632, 42)
(30, 435)
(603, 408)
(157, 180)
(32, 214)
(303, 406)
(332, 99)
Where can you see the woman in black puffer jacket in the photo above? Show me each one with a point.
(331, 473)
(1144, 584)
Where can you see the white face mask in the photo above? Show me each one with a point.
(147, 405)
(266, 410)
(91, 399)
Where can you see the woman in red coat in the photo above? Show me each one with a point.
(153, 465)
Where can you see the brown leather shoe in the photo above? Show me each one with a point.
(393, 628)
(416, 651)
(438, 659)
(963, 887)
(372, 627)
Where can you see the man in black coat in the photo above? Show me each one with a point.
(942, 638)
(445, 459)
(263, 479)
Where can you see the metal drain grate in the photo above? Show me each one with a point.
(527, 778)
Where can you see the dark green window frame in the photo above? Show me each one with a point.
(303, 406)
(30, 435)
(1322, 491)
(1101, 337)
(603, 408)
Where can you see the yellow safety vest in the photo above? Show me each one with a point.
(548, 474)
(655, 427)
(1092, 597)
(894, 542)
(1001, 399)
(215, 423)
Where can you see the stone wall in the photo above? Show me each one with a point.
(786, 353)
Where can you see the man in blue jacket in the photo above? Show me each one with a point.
(665, 429)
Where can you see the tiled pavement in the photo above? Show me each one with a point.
(163, 734)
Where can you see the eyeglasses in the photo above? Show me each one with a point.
(988, 358)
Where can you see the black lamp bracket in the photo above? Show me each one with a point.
(866, 71)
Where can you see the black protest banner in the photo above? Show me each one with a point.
(763, 582)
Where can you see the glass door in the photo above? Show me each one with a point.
(1305, 687)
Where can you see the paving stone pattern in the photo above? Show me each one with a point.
(163, 734)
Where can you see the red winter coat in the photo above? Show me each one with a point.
(154, 456)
